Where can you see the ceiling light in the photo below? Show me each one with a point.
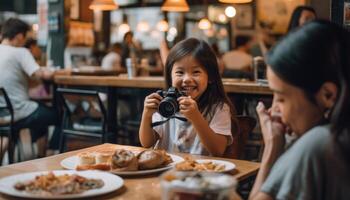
(175, 6)
(230, 11)
(162, 25)
(103, 5)
(235, 1)
(204, 24)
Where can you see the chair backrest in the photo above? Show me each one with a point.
(245, 126)
(6, 109)
(70, 98)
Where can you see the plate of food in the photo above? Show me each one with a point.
(205, 165)
(123, 162)
(60, 184)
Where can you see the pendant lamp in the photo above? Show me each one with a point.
(235, 1)
(204, 24)
(103, 5)
(175, 6)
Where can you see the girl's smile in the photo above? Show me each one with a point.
(189, 77)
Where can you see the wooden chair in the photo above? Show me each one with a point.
(245, 126)
(81, 124)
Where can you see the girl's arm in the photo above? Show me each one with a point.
(213, 142)
(273, 135)
(147, 135)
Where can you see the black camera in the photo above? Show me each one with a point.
(169, 105)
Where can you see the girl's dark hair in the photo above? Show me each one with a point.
(294, 20)
(214, 95)
(317, 53)
(12, 27)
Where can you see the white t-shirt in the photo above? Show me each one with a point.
(237, 60)
(178, 136)
(111, 61)
(16, 66)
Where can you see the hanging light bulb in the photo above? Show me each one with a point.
(175, 6)
(230, 11)
(123, 28)
(235, 1)
(103, 5)
(162, 25)
(204, 24)
(143, 26)
(222, 18)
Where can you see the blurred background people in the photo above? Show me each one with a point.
(130, 48)
(17, 66)
(239, 58)
(33, 47)
(300, 16)
(113, 59)
(265, 39)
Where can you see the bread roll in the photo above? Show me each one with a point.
(150, 159)
(86, 159)
(124, 160)
(103, 158)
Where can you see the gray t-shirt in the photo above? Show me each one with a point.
(16, 66)
(305, 170)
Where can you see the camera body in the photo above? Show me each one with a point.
(169, 105)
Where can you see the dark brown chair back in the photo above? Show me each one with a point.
(245, 126)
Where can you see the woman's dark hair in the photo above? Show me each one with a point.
(214, 95)
(317, 53)
(127, 34)
(12, 27)
(294, 20)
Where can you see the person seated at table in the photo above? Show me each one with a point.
(300, 16)
(191, 68)
(238, 61)
(309, 75)
(113, 59)
(17, 65)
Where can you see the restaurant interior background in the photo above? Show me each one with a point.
(72, 35)
(69, 32)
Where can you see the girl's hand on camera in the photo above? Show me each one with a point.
(188, 107)
(151, 104)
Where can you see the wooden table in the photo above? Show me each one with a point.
(230, 85)
(138, 187)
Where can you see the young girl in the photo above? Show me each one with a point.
(192, 68)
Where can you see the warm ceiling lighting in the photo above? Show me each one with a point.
(204, 24)
(103, 5)
(175, 6)
(162, 25)
(143, 26)
(230, 11)
(235, 1)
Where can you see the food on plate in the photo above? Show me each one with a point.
(124, 160)
(50, 184)
(190, 164)
(150, 159)
(86, 159)
(95, 160)
(103, 157)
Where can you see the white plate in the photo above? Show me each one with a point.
(111, 182)
(71, 163)
(229, 166)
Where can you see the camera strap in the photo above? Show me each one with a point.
(162, 122)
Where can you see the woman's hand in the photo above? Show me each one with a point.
(151, 104)
(272, 128)
(188, 107)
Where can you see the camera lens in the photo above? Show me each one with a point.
(168, 107)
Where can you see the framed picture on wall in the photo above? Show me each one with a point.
(347, 14)
(245, 17)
